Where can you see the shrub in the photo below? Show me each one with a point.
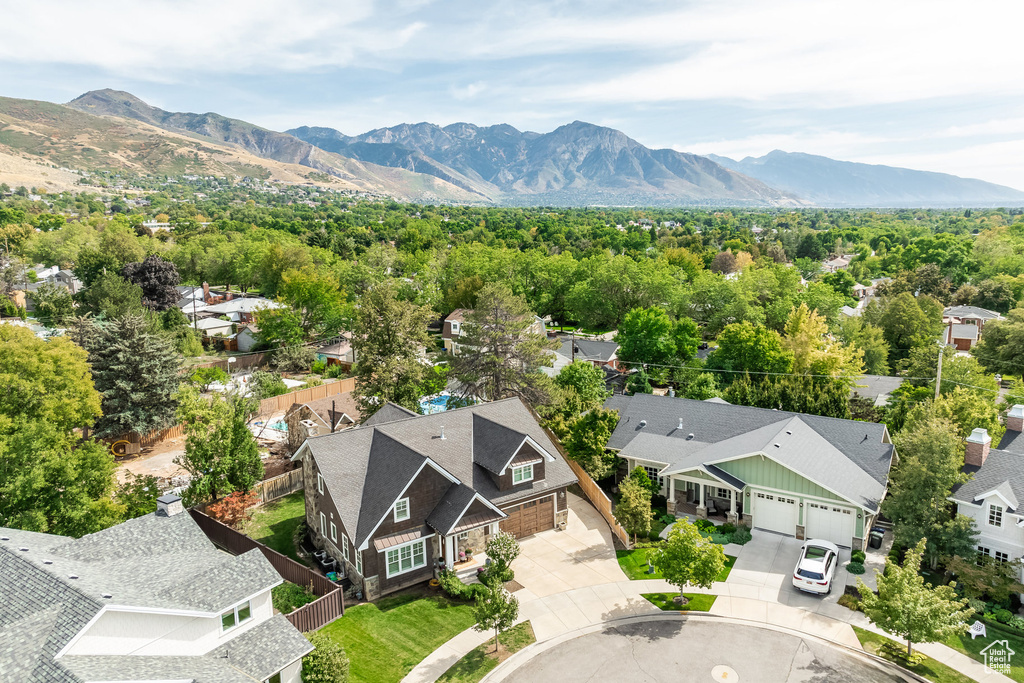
(727, 528)
(855, 568)
(318, 367)
(660, 542)
(858, 556)
(233, 510)
(313, 382)
(653, 536)
(668, 519)
(977, 605)
(264, 384)
(849, 602)
(333, 371)
(1003, 616)
(741, 536)
(294, 358)
(704, 525)
(288, 597)
(328, 663)
(452, 585)
(1016, 623)
(721, 539)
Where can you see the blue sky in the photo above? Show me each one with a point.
(933, 84)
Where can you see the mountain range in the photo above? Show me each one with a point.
(576, 164)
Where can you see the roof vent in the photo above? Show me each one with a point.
(680, 423)
(24, 550)
(643, 423)
(107, 595)
(5, 538)
(689, 436)
(443, 437)
(72, 576)
(776, 445)
(790, 432)
(47, 561)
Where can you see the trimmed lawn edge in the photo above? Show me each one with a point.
(929, 668)
(634, 564)
(481, 660)
(698, 602)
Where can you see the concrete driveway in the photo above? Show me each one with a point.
(556, 561)
(764, 571)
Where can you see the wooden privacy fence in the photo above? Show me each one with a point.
(326, 608)
(268, 406)
(272, 489)
(599, 499)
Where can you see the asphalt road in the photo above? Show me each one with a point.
(684, 651)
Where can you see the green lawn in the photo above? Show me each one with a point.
(929, 668)
(274, 524)
(972, 648)
(478, 663)
(698, 602)
(386, 639)
(634, 564)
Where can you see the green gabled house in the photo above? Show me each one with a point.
(799, 475)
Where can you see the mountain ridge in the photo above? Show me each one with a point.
(831, 182)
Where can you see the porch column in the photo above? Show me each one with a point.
(702, 512)
(670, 506)
(449, 551)
(732, 517)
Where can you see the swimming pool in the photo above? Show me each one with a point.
(435, 404)
(280, 425)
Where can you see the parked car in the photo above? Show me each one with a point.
(816, 567)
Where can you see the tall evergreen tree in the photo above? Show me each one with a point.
(500, 355)
(387, 333)
(136, 373)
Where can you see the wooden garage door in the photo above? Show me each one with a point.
(529, 518)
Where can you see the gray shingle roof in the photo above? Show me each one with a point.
(446, 513)
(1012, 441)
(366, 468)
(389, 412)
(844, 456)
(1003, 471)
(969, 312)
(264, 649)
(589, 349)
(148, 562)
(494, 444)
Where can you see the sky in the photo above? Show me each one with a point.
(927, 84)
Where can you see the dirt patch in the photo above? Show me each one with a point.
(157, 461)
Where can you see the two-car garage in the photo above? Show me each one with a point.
(781, 514)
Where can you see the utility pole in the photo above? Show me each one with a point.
(573, 345)
(938, 372)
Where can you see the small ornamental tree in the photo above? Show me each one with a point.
(689, 558)
(234, 509)
(983, 576)
(328, 663)
(633, 511)
(496, 609)
(907, 607)
(502, 548)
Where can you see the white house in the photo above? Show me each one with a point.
(151, 599)
(248, 337)
(214, 327)
(992, 498)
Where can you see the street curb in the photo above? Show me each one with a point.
(510, 665)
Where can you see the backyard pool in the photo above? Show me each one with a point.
(435, 404)
(280, 425)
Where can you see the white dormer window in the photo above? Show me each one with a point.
(522, 474)
(402, 510)
(995, 515)
(319, 483)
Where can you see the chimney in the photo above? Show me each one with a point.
(206, 292)
(978, 444)
(310, 427)
(168, 505)
(1015, 419)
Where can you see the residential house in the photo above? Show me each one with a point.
(52, 276)
(242, 309)
(214, 327)
(602, 354)
(836, 264)
(964, 325)
(322, 416)
(403, 495)
(789, 473)
(455, 327)
(151, 599)
(992, 497)
(247, 337)
(338, 352)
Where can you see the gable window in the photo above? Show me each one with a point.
(402, 510)
(521, 474)
(344, 546)
(323, 524)
(407, 558)
(995, 515)
(334, 533)
(319, 483)
(234, 617)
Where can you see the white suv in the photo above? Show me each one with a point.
(816, 567)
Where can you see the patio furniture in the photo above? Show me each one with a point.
(712, 510)
(977, 629)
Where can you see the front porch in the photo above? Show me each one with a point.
(691, 510)
(718, 501)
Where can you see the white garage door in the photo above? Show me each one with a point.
(775, 513)
(830, 522)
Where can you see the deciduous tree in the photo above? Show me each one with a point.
(633, 511)
(689, 559)
(158, 280)
(496, 609)
(588, 440)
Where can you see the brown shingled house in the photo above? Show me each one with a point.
(322, 416)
